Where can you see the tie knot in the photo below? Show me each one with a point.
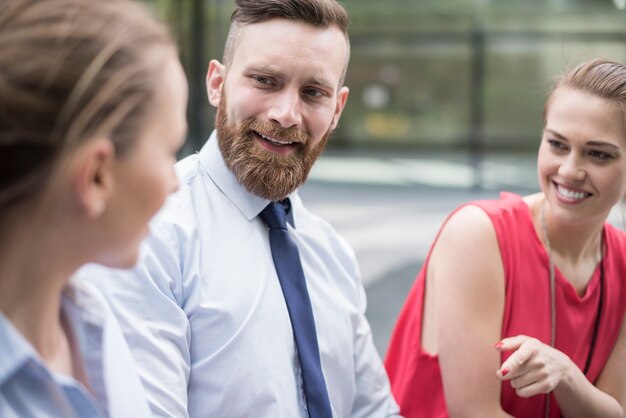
(275, 215)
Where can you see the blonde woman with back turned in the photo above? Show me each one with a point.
(92, 111)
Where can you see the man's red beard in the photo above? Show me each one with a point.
(261, 172)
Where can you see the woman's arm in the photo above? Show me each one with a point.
(612, 380)
(463, 313)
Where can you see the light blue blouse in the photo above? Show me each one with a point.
(28, 388)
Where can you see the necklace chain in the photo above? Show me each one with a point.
(546, 241)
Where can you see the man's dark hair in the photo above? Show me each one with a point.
(319, 13)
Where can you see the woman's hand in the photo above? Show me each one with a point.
(534, 367)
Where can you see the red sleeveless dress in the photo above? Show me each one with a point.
(415, 375)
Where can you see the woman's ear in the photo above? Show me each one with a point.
(93, 180)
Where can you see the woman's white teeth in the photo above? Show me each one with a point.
(275, 141)
(570, 194)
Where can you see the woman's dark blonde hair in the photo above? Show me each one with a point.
(599, 77)
(70, 71)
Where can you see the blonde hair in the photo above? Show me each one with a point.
(70, 70)
(599, 77)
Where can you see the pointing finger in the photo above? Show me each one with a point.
(511, 343)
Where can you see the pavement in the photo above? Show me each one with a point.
(390, 206)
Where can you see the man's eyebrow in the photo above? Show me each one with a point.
(265, 69)
(273, 72)
(320, 81)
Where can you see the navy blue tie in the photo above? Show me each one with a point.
(289, 269)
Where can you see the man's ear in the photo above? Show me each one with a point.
(215, 81)
(93, 179)
(342, 97)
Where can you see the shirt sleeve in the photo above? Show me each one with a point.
(372, 397)
(125, 393)
(373, 393)
(147, 304)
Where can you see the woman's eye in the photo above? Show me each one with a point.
(556, 144)
(600, 155)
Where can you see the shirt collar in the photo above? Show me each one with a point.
(249, 205)
(86, 318)
(85, 310)
(288, 204)
(15, 351)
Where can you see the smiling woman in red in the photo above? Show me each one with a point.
(519, 308)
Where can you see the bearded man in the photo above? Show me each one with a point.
(244, 304)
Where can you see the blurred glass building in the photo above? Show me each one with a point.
(431, 74)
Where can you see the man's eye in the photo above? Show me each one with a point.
(262, 80)
(313, 92)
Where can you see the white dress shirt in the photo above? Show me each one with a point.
(29, 389)
(205, 316)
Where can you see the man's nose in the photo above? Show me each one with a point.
(285, 109)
